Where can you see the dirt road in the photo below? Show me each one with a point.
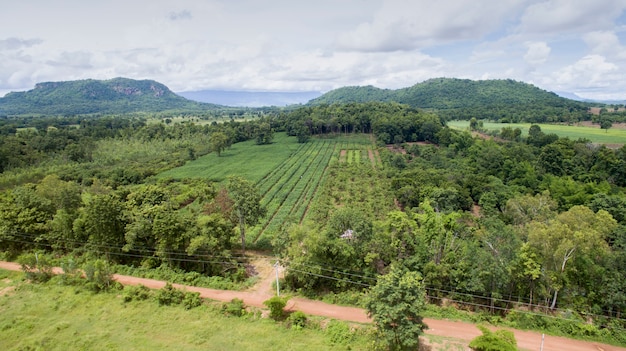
(263, 291)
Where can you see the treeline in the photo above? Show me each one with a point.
(389, 122)
(186, 225)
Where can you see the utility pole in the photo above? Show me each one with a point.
(276, 266)
(542, 337)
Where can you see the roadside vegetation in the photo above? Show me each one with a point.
(53, 316)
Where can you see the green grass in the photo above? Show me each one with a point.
(54, 317)
(245, 159)
(596, 135)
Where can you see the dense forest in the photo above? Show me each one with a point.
(534, 223)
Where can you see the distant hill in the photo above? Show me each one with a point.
(463, 98)
(250, 98)
(118, 95)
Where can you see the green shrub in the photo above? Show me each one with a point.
(298, 320)
(235, 308)
(339, 333)
(136, 293)
(36, 266)
(276, 305)
(71, 273)
(500, 340)
(99, 275)
(169, 295)
(191, 300)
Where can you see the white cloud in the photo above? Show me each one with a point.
(570, 16)
(605, 43)
(537, 53)
(292, 45)
(410, 24)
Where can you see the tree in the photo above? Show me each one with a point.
(396, 303)
(247, 206)
(606, 124)
(578, 231)
(264, 133)
(219, 142)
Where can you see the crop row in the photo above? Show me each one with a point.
(287, 183)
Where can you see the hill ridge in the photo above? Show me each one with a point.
(88, 96)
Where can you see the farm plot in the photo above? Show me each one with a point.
(288, 190)
(245, 159)
(595, 134)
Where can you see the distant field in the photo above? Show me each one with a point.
(595, 134)
(245, 159)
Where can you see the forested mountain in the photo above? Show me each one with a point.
(464, 99)
(118, 95)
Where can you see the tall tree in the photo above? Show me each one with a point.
(578, 231)
(219, 142)
(247, 206)
(396, 303)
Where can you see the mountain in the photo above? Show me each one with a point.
(250, 98)
(118, 95)
(449, 93)
(505, 100)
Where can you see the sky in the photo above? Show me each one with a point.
(573, 46)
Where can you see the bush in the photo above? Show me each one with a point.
(298, 320)
(136, 293)
(37, 267)
(276, 305)
(99, 275)
(168, 296)
(191, 300)
(500, 340)
(339, 333)
(235, 308)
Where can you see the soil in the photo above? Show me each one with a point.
(263, 290)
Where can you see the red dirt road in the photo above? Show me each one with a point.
(262, 291)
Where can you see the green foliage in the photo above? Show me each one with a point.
(168, 295)
(191, 300)
(99, 275)
(297, 320)
(463, 99)
(396, 304)
(500, 340)
(56, 317)
(276, 305)
(136, 293)
(36, 266)
(339, 333)
(234, 308)
(119, 95)
(247, 204)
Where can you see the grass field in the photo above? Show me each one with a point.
(54, 317)
(245, 159)
(596, 135)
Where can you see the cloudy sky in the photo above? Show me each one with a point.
(576, 46)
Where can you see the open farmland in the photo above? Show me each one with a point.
(246, 159)
(287, 174)
(595, 134)
(292, 186)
